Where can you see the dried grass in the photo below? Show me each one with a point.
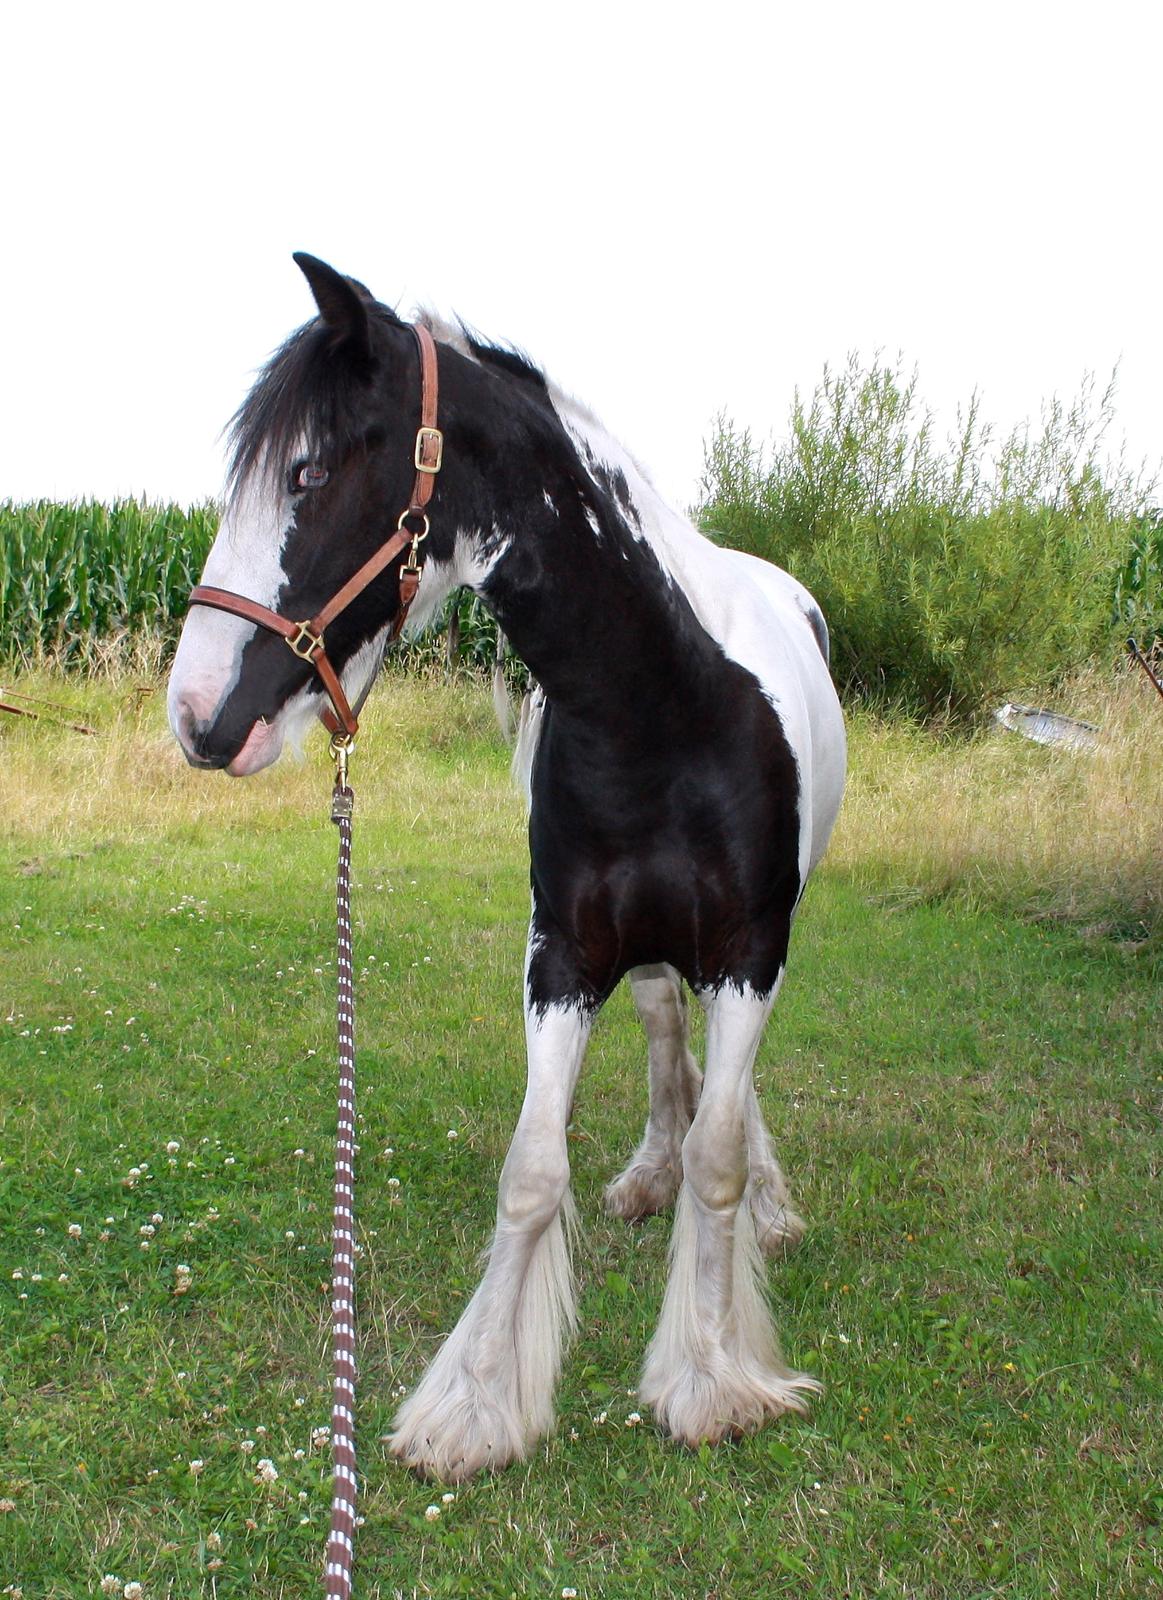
(1045, 832)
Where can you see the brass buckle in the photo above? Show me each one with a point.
(305, 643)
(420, 454)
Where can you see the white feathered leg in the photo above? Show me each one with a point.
(714, 1366)
(488, 1394)
(650, 1181)
(778, 1226)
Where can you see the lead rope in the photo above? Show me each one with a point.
(341, 1542)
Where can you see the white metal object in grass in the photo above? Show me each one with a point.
(1048, 727)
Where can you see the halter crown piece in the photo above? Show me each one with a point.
(306, 638)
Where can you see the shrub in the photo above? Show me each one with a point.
(949, 577)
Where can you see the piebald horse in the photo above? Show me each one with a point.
(685, 759)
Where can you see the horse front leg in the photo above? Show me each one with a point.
(487, 1396)
(650, 1181)
(714, 1366)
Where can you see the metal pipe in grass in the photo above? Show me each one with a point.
(1133, 647)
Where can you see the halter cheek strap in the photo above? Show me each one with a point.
(306, 638)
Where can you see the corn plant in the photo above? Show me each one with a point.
(1137, 599)
(74, 574)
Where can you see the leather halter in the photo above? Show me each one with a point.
(306, 638)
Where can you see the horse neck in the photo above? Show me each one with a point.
(588, 585)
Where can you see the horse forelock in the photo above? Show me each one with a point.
(309, 400)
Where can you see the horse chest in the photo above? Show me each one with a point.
(687, 855)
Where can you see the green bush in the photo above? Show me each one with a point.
(950, 577)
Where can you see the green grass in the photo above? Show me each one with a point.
(968, 1107)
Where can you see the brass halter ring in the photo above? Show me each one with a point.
(412, 564)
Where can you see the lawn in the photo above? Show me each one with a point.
(967, 1101)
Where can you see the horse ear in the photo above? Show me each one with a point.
(342, 304)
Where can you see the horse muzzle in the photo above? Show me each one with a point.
(210, 743)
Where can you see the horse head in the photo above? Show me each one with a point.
(322, 460)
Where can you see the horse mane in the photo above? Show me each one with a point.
(463, 337)
(304, 401)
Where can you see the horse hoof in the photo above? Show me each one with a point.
(641, 1191)
(695, 1410)
(778, 1229)
(455, 1449)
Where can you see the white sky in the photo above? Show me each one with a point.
(673, 211)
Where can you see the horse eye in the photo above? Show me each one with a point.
(308, 475)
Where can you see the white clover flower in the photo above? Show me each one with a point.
(196, 1467)
(110, 1584)
(448, 1497)
(147, 1230)
(300, 1454)
(568, 1594)
(246, 1446)
(74, 1230)
(133, 1591)
(157, 1217)
(432, 1514)
(173, 1146)
(452, 1135)
(214, 1540)
(633, 1420)
(267, 1471)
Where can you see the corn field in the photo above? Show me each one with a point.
(74, 575)
(78, 579)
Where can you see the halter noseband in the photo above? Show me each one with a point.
(306, 638)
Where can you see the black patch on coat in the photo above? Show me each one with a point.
(664, 823)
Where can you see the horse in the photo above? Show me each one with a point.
(685, 758)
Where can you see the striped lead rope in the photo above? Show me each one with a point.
(340, 1544)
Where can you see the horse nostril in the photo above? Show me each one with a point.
(194, 736)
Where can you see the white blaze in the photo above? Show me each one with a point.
(246, 558)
